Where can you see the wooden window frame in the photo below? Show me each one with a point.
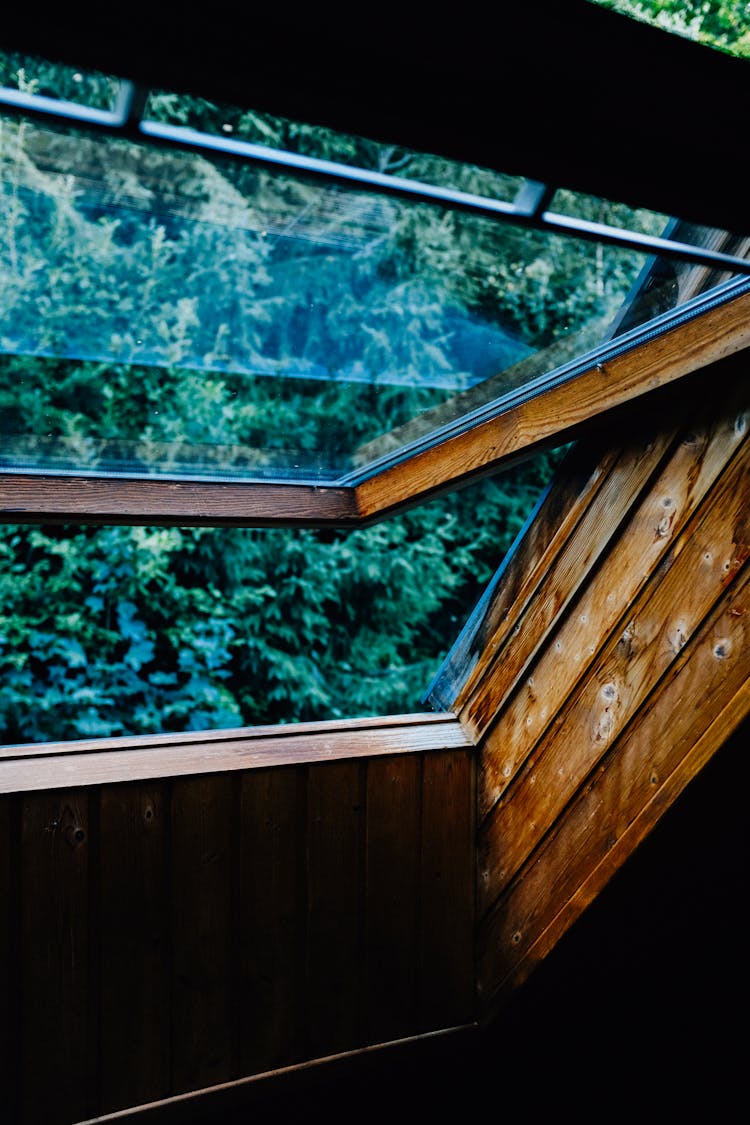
(553, 411)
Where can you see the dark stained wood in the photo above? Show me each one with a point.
(104, 761)
(57, 1073)
(447, 890)
(557, 414)
(8, 967)
(134, 987)
(703, 700)
(203, 981)
(391, 909)
(573, 642)
(45, 499)
(335, 839)
(410, 1070)
(700, 564)
(271, 920)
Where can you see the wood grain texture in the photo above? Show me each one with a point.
(133, 988)
(521, 634)
(57, 1072)
(203, 988)
(703, 699)
(557, 414)
(572, 644)
(105, 761)
(272, 905)
(31, 498)
(391, 906)
(700, 564)
(546, 532)
(447, 890)
(335, 841)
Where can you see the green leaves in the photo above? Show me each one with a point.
(113, 630)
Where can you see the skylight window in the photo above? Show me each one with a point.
(168, 310)
(200, 293)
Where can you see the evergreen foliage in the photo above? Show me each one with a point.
(138, 337)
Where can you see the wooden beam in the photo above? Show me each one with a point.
(101, 761)
(561, 412)
(31, 498)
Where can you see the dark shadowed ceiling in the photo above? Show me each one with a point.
(565, 93)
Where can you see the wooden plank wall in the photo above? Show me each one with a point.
(159, 936)
(610, 661)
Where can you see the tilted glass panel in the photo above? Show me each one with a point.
(163, 312)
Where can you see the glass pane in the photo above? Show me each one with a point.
(166, 313)
(32, 75)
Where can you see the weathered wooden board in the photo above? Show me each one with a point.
(523, 634)
(34, 499)
(133, 988)
(272, 905)
(570, 648)
(57, 1071)
(699, 565)
(61, 765)
(391, 905)
(447, 890)
(335, 842)
(203, 985)
(703, 698)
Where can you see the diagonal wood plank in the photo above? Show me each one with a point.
(702, 700)
(701, 563)
(572, 645)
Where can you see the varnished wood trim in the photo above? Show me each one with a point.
(31, 498)
(91, 762)
(556, 415)
(552, 416)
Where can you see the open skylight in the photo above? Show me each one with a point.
(178, 300)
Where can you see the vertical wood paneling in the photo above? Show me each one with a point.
(134, 1022)
(271, 916)
(8, 971)
(57, 1072)
(334, 868)
(447, 892)
(392, 896)
(229, 924)
(203, 980)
